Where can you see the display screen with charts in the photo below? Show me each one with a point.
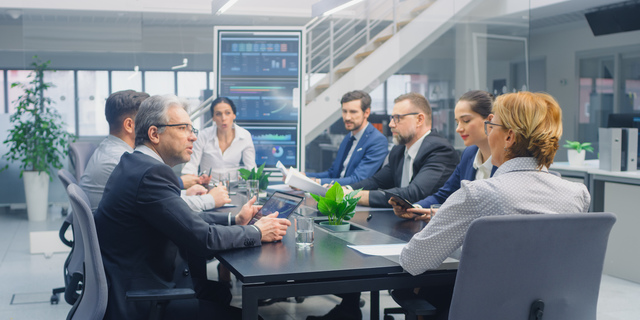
(260, 70)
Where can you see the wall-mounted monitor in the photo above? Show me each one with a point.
(261, 70)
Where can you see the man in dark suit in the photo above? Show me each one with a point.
(419, 164)
(362, 151)
(142, 221)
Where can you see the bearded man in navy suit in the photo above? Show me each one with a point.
(362, 151)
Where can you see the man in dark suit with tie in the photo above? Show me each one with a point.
(419, 164)
(142, 221)
(362, 151)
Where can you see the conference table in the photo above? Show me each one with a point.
(282, 269)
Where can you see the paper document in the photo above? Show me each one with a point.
(280, 187)
(282, 168)
(379, 249)
(302, 182)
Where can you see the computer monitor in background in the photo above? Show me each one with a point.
(274, 143)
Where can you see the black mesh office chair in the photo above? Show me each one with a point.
(539, 266)
(92, 303)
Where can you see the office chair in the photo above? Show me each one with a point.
(79, 155)
(72, 269)
(92, 303)
(539, 266)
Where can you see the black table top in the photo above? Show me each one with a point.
(329, 258)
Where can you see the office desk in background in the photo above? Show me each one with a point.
(281, 269)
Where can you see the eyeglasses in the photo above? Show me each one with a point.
(397, 117)
(490, 126)
(181, 126)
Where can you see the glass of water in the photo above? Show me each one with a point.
(253, 189)
(304, 231)
(225, 179)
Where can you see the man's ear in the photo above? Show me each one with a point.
(367, 113)
(154, 135)
(129, 125)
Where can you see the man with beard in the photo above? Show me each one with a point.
(419, 164)
(362, 152)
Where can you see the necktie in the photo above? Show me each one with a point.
(406, 171)
(345, 154)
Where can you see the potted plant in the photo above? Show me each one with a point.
(577, 151)
(338, 207)
(258, 174)
(38, 140)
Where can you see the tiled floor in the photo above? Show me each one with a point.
(26, 281)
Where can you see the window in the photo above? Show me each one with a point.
(190, 86)
(93, 91)
(159, 82)
(12, 77)
(3, 107)
(126, 80)
(62, 96)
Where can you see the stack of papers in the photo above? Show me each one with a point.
(298, 180)
(380, 249)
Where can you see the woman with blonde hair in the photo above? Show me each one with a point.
(524, 136)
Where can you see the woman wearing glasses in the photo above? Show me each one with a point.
(523, 138)
(472, 109)
(220, 148)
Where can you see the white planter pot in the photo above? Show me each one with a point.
(575, 158)
(36, 190)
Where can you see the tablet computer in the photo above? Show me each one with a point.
(404, 203)
(283, 203)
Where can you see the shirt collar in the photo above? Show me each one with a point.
(360, 133)
(413, 151)
(115, 140)
(519, 164)
(235, 128)
(148, 151)
(477, 164)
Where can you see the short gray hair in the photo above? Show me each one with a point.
(155, 111)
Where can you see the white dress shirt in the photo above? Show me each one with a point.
(517, 187)
(208, 156)
(357, 137)
(412, 152)
(483, 170)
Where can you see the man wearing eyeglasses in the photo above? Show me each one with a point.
(363, 150)
(419, 164)
(142, 222)
(120, 110)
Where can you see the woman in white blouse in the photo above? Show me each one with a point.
(220, 148)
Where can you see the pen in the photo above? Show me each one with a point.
(369, 217)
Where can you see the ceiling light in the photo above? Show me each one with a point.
(226, 7)
(14, 13)
(341, 7)
(185, 61)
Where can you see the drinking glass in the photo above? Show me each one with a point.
(225, 179)
(304, 231)
(253, 189)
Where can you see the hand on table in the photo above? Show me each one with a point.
(272, 227)
(220, 195)
(196, 190)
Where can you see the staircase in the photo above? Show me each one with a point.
(361, 49)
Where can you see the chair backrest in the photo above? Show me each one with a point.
(79, 155)
(66, 178)
(92, 304)
(74, 264)
(508, 262)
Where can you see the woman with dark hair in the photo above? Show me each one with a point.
(220, 148)
(472, 109)
(523, 137)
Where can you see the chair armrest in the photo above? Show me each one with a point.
(160, 294)
(411, 302)
(63, 230)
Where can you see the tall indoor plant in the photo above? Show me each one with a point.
(38, 139)
(338, 207)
